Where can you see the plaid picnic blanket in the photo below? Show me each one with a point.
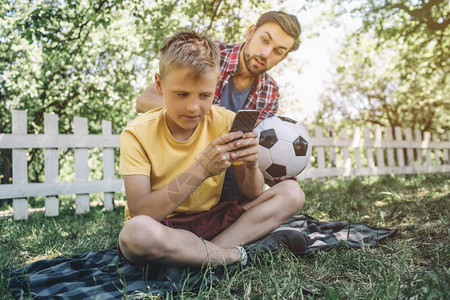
(105, 275)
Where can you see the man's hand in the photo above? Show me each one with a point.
(149, 99)
(274, 180)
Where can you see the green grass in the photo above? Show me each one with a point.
(412, 265)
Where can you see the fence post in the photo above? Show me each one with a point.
(332, 149)
(346, 155)
(108, 166)
(400, 156)
(369, 151)
(419, 151)
(426, 141)
(380, 155)
(445, 138)
(19, 166)
(409, 151)
(390, 150)
(51, 164)
(320, 150)
(81, 165)
(356, 143)
(437, 152)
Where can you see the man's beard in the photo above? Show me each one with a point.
(250, 68)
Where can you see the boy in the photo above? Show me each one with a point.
(173, 161)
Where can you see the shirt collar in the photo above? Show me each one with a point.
(234, 58)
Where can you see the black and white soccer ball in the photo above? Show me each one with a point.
(285, 147)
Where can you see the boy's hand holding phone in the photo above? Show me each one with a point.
(240, 144)
(247, 152)
(216, 158)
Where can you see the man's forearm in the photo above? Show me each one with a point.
(148, 100)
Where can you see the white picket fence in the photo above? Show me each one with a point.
(373, 153)
(19, 141)
(377, 152)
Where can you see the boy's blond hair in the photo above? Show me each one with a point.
(188, 49)
(288, 23)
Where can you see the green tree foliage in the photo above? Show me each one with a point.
(92, 58)
(394, 70)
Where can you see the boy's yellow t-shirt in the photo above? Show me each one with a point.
(148, 148)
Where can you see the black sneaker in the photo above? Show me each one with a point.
(171, 273)
(191, 276)
(291, 238)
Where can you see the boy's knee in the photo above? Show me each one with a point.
(136, 237)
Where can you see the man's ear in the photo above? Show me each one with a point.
(158, 84)
(250, 32)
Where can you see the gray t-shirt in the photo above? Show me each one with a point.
(233, 99)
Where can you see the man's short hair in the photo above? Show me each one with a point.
(188, 49)
(288, 23)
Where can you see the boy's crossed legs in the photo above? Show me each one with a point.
(144, 240)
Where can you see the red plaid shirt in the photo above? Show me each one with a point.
(264, 95)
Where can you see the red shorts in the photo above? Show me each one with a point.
(207, 224)
(210, 223)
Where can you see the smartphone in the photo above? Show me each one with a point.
(245, 120)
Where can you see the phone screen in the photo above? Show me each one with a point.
(245, 120)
